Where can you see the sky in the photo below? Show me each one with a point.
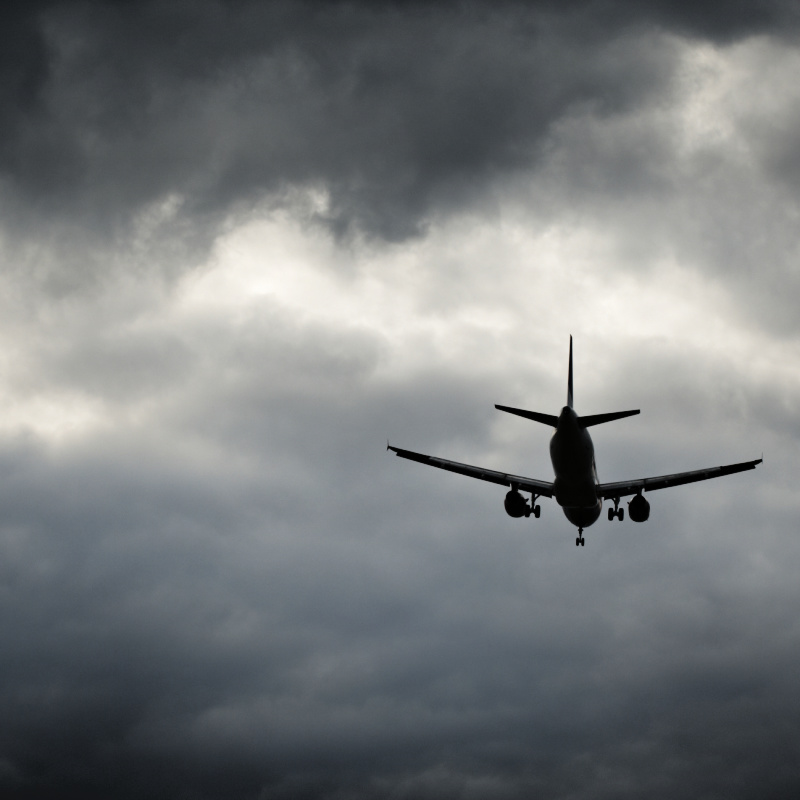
(242, 245)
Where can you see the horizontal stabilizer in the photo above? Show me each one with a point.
(545, 419)
(599, 419)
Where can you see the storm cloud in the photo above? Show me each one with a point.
(243, 244)
(394, 111)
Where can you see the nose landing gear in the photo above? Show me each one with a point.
(580, 540)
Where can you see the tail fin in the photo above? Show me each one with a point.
(569, 383)
(551, 419)
(537, 416)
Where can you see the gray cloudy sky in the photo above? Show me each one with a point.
(243, 243)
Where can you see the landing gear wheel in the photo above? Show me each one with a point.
(621, 515)
(611, 514)
(583, 541)
(577, 541)
(536, 511)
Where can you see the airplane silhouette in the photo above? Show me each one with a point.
(576, 487)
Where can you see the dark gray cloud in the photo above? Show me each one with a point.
(254, 600)
(397, 111)
(148, 130)
(214, 582)
(389, 110)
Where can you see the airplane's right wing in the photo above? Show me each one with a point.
(610, 491)
(541, 488)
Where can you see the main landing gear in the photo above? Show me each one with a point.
(580, 540)
(617, 512)
(534, 509)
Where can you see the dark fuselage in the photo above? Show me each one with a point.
(572, 455)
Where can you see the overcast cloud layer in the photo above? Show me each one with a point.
(243, 244)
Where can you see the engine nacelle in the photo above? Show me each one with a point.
(639, 509)
(516, 505)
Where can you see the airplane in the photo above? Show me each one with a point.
(576, 487)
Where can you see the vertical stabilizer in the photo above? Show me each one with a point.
(569, 384)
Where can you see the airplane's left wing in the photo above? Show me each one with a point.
(609, 491)
(541, 488)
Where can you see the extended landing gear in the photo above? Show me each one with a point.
(617, 512)
(534, 509)
(580, 540)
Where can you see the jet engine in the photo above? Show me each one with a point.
(516, 505)
(638, 509)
